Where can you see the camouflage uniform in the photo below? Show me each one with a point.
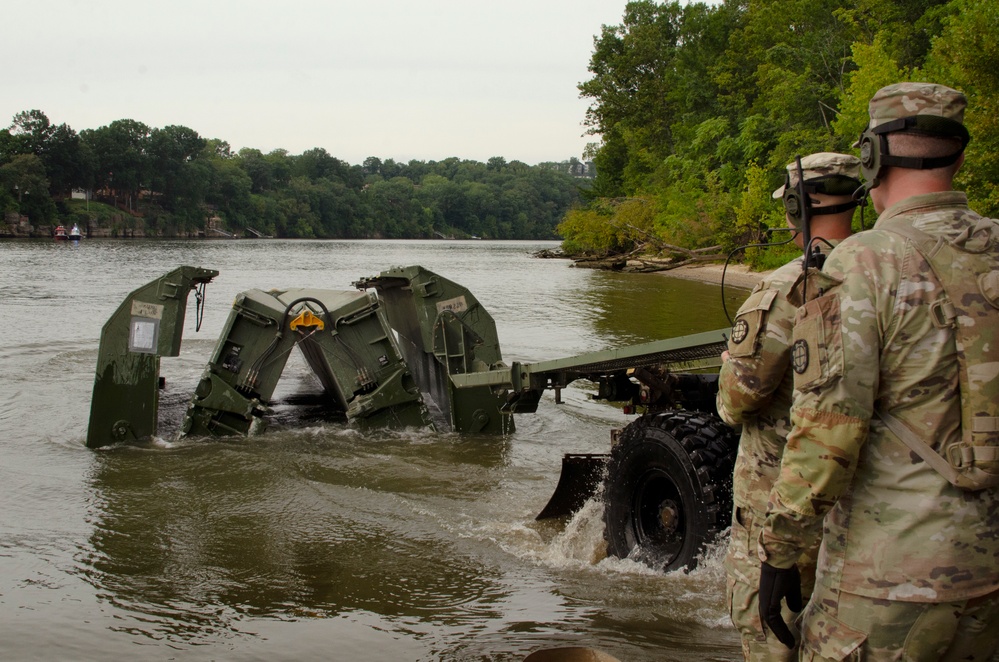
(755, 386)
(909, 564)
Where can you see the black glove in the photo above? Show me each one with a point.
(777, 584)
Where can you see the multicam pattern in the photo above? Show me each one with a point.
(967, 271)
(822, 164)
(755, 384)
(755, 388)
(839, 628)
(909, 99)
(894, 528)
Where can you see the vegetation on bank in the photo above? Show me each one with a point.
(173, 182)
(699, 108)
(696, 110)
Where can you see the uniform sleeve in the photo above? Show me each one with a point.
(835, 357)
(758, 347)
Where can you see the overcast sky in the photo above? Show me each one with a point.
(387, 78)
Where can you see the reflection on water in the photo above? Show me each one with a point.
(314, 539)
(192, 539)
(278, 525)
(636, 308)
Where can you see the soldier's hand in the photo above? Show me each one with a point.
(778, 584)
(724, 356)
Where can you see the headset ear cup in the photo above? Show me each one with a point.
(870, 156)
(793, 205)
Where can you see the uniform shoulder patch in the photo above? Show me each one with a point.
(817, 349)
(799, 356)
(740, 331)
(751, 323)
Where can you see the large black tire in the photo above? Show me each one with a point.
(668, 491)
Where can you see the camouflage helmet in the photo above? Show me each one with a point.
(825, 167)
(912, 99)
(920, 108)
(927, 103)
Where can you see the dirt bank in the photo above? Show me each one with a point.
(737, 275)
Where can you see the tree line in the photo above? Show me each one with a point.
(176, 179)
(699, 108)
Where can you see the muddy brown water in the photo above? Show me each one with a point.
(315, 540)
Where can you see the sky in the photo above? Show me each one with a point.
(387, 78)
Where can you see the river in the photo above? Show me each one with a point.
(314, 540)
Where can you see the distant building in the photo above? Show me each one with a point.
(573, 167)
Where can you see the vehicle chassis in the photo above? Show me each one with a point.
(409, 348)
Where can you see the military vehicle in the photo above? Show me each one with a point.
(409, 347)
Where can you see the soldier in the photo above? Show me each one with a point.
(755, 383)
(882, 447)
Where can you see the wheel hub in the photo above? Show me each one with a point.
(669, 516)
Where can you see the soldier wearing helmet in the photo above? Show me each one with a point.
(756, 381)
(883, 362)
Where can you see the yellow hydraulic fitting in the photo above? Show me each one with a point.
(306, 318)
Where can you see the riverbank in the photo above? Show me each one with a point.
(737, 275)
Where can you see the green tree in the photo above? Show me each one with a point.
(228, 191)
(905, 28)
(24, 180)
(281, 166)
(317, 163)
(392, 204)
(31, 130)
(686, 98)
(69, 162)
(965, 56)
(181, 182)
(372, 165)
(257, 168)
(445, 197)
(121, 154)
(610, 227)
(875, 68)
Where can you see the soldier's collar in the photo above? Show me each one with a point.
(826, 246)
(924, 201)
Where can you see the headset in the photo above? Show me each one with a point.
(797, 202)
(800, 209)
(875, 157)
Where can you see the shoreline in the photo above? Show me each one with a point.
(737, 275)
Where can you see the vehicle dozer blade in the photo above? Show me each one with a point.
(147, 325)
(582, 474)
(444, 331)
